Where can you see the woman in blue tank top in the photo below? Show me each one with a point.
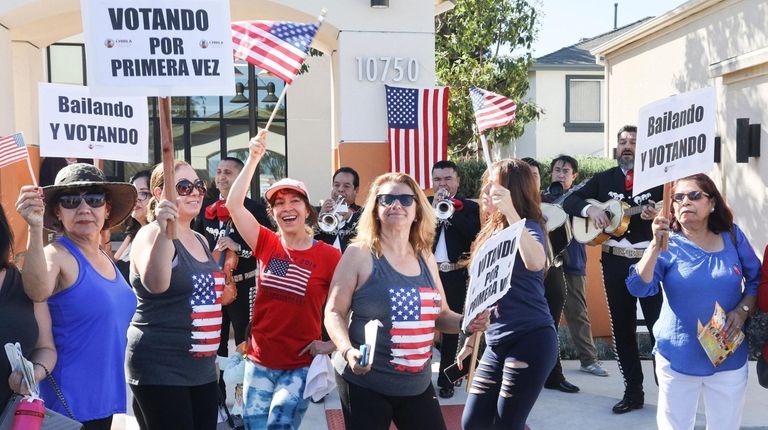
(90, 302)
(522, 342)
(389, 274)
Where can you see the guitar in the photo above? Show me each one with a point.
(619, 214)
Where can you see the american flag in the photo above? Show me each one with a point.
(286, 276)
(278, 47)
(491, 110)
(413, 314)
(417, 120)
(12, 149)
(206, 313)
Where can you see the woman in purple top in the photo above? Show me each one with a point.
(708, 261)
(90, 302)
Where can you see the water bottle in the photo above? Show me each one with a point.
(29, 415)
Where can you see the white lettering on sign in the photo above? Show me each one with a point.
(387, 69)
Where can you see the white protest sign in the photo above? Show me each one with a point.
(158, 48)
(490, 270)
(675, 139)
(75, 124)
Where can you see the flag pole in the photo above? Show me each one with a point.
(277, 105)
(31, 170)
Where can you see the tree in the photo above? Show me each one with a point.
(487, 44)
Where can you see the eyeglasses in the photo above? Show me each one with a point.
(184, 187)
(142, 196)
(692, 196)
(388, 200)
(72, 201)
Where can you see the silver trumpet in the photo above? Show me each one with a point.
(443, 204)
(329, 221)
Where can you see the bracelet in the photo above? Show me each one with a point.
(47, 372)
(344, 354)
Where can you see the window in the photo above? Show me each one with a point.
(66, 63)
(583, 103)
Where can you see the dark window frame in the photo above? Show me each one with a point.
(581, 127)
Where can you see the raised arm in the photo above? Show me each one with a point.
(247, 224)
(152, 251)
(530, 249)
(38, 274)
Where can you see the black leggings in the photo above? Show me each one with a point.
(99, 424)
(366, 409)
(508, 380)
(160, 407)
(554, 292)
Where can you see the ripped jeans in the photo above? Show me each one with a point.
(274, 399)
(508, 380)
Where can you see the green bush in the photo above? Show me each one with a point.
(471, 171)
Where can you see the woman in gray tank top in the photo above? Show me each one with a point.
(389, 274)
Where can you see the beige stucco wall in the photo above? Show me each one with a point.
(701, 50)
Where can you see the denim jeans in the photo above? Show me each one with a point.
(274, 399)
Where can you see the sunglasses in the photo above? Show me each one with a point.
(692, 196)
(388, 200)
(72, 201)
(185, 187)
(142, 196)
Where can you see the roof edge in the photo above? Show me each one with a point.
(671, 17)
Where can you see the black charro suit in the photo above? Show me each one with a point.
(460, 231)
(346, 233)
(610, 185)
(238, 311)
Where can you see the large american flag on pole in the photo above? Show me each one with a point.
(413, 311)
(491, 110)
(279, 47)
(12, 149)
(287, 276)
(417, 121)
(206, 313)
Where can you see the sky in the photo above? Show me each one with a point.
(565, 22)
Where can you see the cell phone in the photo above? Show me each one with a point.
(364, 350)
(453, 373)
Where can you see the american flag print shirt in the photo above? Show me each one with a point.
(207, 288)
(413, 311)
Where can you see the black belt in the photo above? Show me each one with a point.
(448, 267)
(244, 276)
(624, 252)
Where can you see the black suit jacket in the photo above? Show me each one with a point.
(610, 185)
(346, 233)
(460, 231)
(212, 229)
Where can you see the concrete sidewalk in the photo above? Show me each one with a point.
(554, 410)
(588, 409)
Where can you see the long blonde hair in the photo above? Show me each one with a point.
(157, 181)
(369, 227)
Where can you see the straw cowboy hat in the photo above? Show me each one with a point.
(81, 176)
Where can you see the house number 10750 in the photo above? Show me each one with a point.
(384, 69)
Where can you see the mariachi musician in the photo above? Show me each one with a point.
(618, 254)
(342, 208)
(457, 227)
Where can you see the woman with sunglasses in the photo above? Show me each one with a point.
(295, 275)
(89, 301)
(389, 274)
(137, 220)
(521, 339)
(174, 335)
(708, 261)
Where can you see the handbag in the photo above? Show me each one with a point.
(52, 421)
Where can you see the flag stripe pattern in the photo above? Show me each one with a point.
(417, 121)
(278, 47)
(286, 276)
(413, 311)
(491, 110)
(206, 313)
(12, 149)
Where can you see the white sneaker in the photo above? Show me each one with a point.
(594, 369)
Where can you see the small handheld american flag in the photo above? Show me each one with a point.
(491, 110)
(13, 149)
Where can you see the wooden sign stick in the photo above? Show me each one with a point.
(665, 212)
(473, 360)
(166, 145)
